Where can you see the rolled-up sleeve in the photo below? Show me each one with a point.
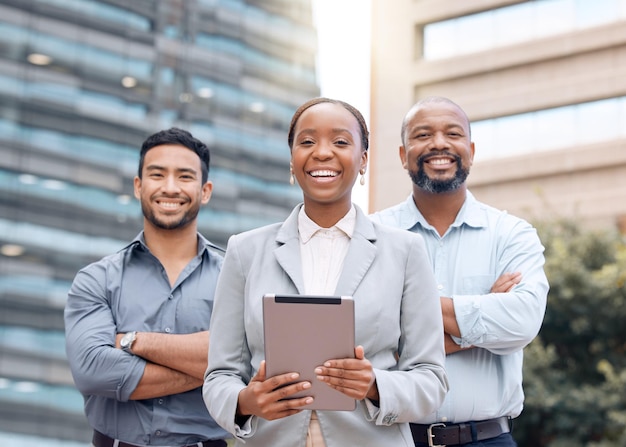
(507, 322)
(98, 368)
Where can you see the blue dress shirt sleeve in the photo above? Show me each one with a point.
(506, 322)
(98, 367)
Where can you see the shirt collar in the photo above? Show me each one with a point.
(308, 228)
(138, 241)
(203, 244)
(470, 214)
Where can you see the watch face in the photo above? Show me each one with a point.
(127, 339)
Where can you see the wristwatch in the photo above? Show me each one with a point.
(126, 343)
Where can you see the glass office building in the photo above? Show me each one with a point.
(82, 83)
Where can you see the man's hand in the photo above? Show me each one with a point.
(506, 282)
(503, 284)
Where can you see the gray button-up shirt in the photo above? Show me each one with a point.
(130, 291)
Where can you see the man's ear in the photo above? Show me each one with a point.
(137, 187)
(207, 190)
(402, 153)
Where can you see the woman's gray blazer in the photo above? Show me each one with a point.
(398, 322)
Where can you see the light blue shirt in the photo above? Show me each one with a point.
(130, 291)
(482, 244)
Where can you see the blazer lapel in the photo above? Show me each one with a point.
(288, 251)
(360, 255)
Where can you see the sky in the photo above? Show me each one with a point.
(343, 28)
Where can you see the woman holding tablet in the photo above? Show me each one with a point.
(328, 246)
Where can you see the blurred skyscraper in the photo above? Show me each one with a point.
(82, 83)
(543, 82)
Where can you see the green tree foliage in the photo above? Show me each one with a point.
(575, 370)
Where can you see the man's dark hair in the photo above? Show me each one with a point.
(180, 137)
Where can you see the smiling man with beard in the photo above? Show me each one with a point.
(137, 321)
(489, 270)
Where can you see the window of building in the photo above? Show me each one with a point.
(515, 24)
(103, 12)
(549, 129)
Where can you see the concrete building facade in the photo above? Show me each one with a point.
(543, 83)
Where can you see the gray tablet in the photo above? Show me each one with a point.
(302, 332)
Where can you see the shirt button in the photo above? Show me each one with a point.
(171, 297)
(389, 419)
(158, 433)
(168, 330)
(440, 286)
(444, 419)
(160, 401)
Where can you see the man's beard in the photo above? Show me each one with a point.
(186, 218)
(435, 186)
